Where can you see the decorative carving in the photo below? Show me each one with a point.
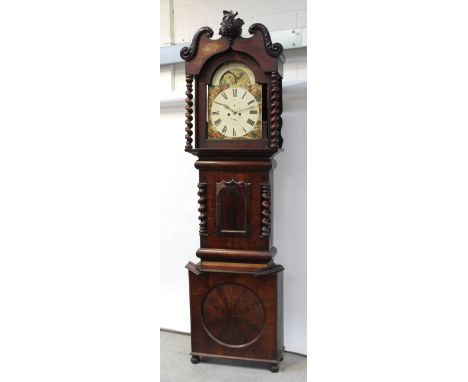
(202, 209)
(280, 137)
(233, 315)
(265, 211)
(275, 119)
(188, 112)
(187, 53)
(230, 28)
(233, 207)
(273, 50)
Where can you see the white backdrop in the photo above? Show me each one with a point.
(179, 215)
(80, 186)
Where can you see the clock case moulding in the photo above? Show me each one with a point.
(236, 290)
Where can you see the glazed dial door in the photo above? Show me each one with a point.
(234, 104)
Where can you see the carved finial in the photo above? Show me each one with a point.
(231, 27)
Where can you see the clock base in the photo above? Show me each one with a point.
(237, 315)
(274, 365)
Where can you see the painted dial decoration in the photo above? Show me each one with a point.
(233, 315)
(234, 104)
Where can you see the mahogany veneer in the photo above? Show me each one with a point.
(237, 315)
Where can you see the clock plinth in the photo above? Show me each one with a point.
(233, 125)
(237, 315)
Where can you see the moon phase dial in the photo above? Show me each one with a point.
(233, 315)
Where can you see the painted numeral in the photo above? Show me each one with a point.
(217, 113)
(233, 132)
(251, 101)
(234, 92)
(244, 95)
(224, 129)
(217, 122)
(252, 112)
(250, 122)
(224, 95)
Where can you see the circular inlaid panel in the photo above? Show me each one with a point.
(233, 315)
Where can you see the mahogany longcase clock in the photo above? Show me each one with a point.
(234, 105)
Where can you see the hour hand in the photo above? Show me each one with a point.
(227, 107)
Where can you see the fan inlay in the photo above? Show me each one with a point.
(233, 315)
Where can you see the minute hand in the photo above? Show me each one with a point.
(245, 108)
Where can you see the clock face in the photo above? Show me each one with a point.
(234, 104)
(234, 112)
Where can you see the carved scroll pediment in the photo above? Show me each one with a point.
(273, 50)
(230, 31)
(187, 53)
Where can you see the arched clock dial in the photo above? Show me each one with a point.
(234, 103)
(235, 112)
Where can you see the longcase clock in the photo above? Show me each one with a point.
(233, 125)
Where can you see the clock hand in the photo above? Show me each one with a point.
(245, 108)
(227, 107)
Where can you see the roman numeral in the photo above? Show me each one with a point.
(224, 95)
(244, 129)
(252, 112)
(219, 103)
(224, 129)
(234, 92)
(217, 122)
(217, 113)
(244, 95)
(251, 101)
(233, 132)
(250, 122)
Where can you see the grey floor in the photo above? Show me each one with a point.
(176, 365)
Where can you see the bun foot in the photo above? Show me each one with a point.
(274, 367)
(195, 359)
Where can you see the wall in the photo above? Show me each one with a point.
(189, 15)
(179, 214)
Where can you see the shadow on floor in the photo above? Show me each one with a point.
(176, 365)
